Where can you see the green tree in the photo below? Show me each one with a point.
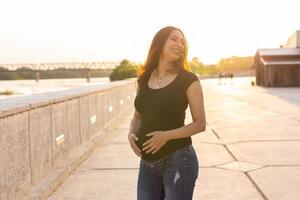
(235, 63)
(123, 71)
(199, 68)
(196, 65)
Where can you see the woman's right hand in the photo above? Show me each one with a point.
(132, 140)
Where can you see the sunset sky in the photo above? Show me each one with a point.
(111, 30)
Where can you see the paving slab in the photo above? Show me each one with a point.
(212, 154)
(116, 156)
(221, 184)
(267, 152)
(118, 136)
(241, 166)
(279, 183)
(98, 185)
(249, 133)
(207, 136)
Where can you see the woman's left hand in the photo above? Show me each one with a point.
(158, 140)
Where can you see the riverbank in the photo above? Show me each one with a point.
(30, 87)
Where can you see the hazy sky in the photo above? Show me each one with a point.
(111, 30)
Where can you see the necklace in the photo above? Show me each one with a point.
(159, 79)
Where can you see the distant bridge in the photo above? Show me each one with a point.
(66, 65)
(88, 66)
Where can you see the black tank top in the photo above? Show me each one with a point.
(163, 109)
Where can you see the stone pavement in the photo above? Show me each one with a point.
(250, 150)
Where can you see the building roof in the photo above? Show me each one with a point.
(279, 52)
(279, 56)
(281, 63)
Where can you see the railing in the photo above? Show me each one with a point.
(39, 134)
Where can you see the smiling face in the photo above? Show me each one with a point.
(174, 46)
(170, 45)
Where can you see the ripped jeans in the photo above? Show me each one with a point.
(172, 177)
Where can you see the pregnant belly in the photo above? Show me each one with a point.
(142, 139)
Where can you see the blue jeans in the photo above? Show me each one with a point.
(172, 177)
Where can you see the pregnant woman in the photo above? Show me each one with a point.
(169, 165)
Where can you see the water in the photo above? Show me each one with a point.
(29, 87)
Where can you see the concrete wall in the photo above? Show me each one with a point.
(39, 133)
(294, 40)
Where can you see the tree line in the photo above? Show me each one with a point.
(127, 69)
(27, 73)
(225, 65)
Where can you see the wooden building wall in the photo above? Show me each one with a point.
(278, 75)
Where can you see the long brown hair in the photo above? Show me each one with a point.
(155, 51)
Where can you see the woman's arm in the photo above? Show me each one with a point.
(135, 123)
(136, 119)
(196, 104)
(133, 129)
